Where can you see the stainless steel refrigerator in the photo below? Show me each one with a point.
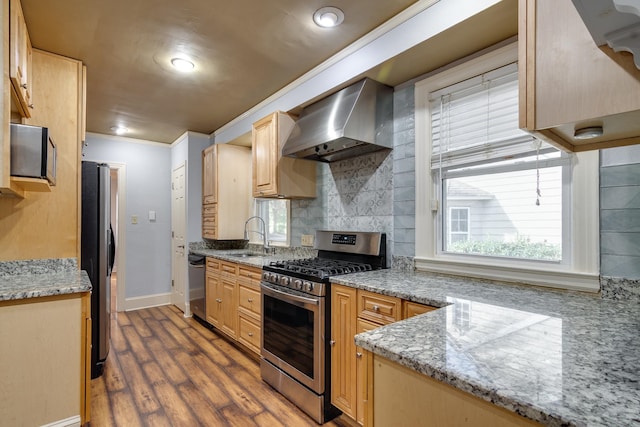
(97, 256)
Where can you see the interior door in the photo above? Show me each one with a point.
(178, 227)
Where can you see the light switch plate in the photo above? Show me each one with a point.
(307, 240)
(152, 215)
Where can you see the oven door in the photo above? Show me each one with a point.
(293, 334)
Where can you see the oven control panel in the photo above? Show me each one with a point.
(295, 283)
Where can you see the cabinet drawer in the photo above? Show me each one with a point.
(209, 209)
(228, 268)
(210, 232)
(249, 333)
(253, 274)
(378, 308)
(209, 199)
(410, 309)
(213, 264)
(250, 300)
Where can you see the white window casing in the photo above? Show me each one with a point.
(580, 266)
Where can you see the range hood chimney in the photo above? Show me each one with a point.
(353, 121)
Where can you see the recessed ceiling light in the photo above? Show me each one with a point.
(182, 64)
(328, 17)
(119, 130)
(588, 132)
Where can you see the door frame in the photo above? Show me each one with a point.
(120, 261)
(187, 310)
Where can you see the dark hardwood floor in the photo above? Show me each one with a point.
(167, 370)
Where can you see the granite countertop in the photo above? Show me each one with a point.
(41, 278)
(252, 258)
(557, 357)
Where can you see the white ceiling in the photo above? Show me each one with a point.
(245, 50)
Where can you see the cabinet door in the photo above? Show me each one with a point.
(265, 156)
(229, 315)
(343, 349)
(214, 300)
(208, 175)
(20, 58)
(410, 309)
(363, 361)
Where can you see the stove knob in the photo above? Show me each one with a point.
(297, 284)
(308, 286)
(284, 280)
(265, 276)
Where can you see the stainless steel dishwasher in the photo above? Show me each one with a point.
(197, 300)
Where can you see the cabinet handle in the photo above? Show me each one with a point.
(250, 300)
(376, 308)
(31, 106)
(332, 343)
(218, 300)
(250, 334)
(23, 85)
(358, 355)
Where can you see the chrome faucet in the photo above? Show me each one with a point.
(263, 233)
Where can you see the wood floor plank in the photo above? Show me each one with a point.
(157, 313)
(239, 393)
(208, 348)
(159, 332)
(174, 373)
(122, 318)
(113, 377)
(124, 410)
(266, 419)
(136, 345)
(141, 391)
(183, 341)
(158, 419)
(176, 409)
(235, 417)
(140, 325)
(206, 413)
(177, 318)
(206, 385)
(100, 403)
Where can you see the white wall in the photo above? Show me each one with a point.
(148, 187)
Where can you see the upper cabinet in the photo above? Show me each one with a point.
(273, 174)
(20, 54)
(569, 85)
(225, 191)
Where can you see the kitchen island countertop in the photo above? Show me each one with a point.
(556, 357)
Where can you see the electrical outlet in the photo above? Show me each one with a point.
(307, 240)
(134, 219)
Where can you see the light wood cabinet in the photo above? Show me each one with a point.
(249, 308)
(354, 311)
(568, 83)
(225, 191)
(273, 174)
(233, 301)
(407, 398)
(46, 359)
(20, 58)
(343, 349)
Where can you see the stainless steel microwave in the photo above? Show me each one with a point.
(33, 152)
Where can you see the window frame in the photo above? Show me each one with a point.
(258, 211)
(450, 232)
(581, 269)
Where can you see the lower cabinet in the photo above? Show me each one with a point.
(407, 398)
(354, 311)
(233, 301)
(45, 352)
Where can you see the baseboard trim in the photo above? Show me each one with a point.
(137, 303)
(68, 422)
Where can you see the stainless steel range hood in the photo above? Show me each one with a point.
(356, 120)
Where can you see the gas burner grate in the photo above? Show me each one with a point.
(321, 267)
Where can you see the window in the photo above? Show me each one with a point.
(458, 226)
(528, 199)
(275, 213)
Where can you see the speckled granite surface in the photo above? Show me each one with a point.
(257, 257)
(560, 358)
(40, 278)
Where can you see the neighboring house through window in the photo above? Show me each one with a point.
(276, 215)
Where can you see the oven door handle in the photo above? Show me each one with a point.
(294, 299)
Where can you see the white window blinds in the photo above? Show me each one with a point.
(476, 121)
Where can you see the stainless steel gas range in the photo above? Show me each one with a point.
(296, 316)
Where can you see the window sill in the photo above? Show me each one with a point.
(515, 272)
